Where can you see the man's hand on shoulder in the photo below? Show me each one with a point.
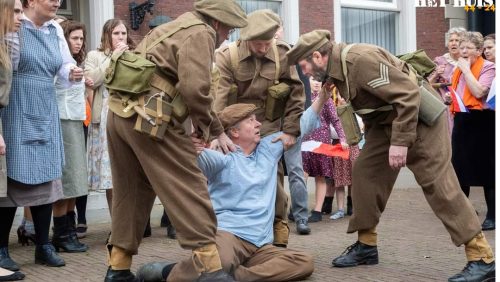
(287, 140)
(223, 144)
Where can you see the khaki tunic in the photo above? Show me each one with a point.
(377, 78)
(253, 77)
(143, 168)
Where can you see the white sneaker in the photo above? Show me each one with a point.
(337, 215)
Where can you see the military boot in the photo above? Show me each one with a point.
(119, 276)
(61, 238)
(217, 276)
(475, 271)
(356, 254)
(155, 271)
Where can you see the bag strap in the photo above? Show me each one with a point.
(343, 57)
(184, 25)
(277, 62)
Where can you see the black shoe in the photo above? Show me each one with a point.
(5, 260)
(147, 232)
(217, 276)
(119, 275)
(349, 206)
(356, 254)
(302, 227)
(291, 217)
(315, 216)
(171, 232)
(488, 224)
(69, 244)
(165, 221)
(46, 255)
(154, 271)
(13, 277)
(327, 205)
(475, 271)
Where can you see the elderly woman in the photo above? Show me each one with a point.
(446, 64)
(473, 137)
(32, 129)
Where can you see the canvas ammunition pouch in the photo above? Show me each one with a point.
(277, 94)
(155, 117)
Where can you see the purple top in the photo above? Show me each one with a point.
(486, 77)
(328, 116)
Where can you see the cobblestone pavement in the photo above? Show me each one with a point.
(413, 245)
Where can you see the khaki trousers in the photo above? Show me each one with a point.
(280, 227)
(430, 160)
(143, 169)
(246, 262)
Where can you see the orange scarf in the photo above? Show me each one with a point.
(470, 101)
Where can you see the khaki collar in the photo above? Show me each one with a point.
(245, 52)
(334, 64)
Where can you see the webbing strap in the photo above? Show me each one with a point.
(184, 25)
(233, 54)
(343, 57)
(277, 62)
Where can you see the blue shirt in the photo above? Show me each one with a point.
(243, 188)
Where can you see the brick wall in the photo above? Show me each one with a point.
(171, 8)
(316, 14)
(431, 28)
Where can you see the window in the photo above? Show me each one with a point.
(378, 22)
(65, 8)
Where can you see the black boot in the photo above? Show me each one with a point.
(46, 255)
(327, 205)
(119, 276)
(61, 238)
(356, 254)
(5, 260)
(315, 216)
(488, 224)
(217, 276)
(475, 271)
(73, 236)
(15, 276)
(147, 231)
(349, 206)
(154, 271)
(165, 222)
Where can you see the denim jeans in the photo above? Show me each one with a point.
(297, 185)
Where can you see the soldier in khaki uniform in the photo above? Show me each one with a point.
(251, 65)
(394, 139)
(143, 167)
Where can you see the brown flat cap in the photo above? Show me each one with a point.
(262, 25)
(307, 44)
(227, 12)
(231, 115)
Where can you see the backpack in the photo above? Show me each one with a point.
(420, 62)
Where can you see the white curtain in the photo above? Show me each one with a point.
(369, 26)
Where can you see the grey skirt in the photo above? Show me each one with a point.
(26, 195)
(74, 177)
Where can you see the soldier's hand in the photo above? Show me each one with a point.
(225, 144)
(199, 144)
(397, 156)
(287, 140)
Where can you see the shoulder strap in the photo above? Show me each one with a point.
(277, 62)
(233, 54)
(343, 56)
(184, 25)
